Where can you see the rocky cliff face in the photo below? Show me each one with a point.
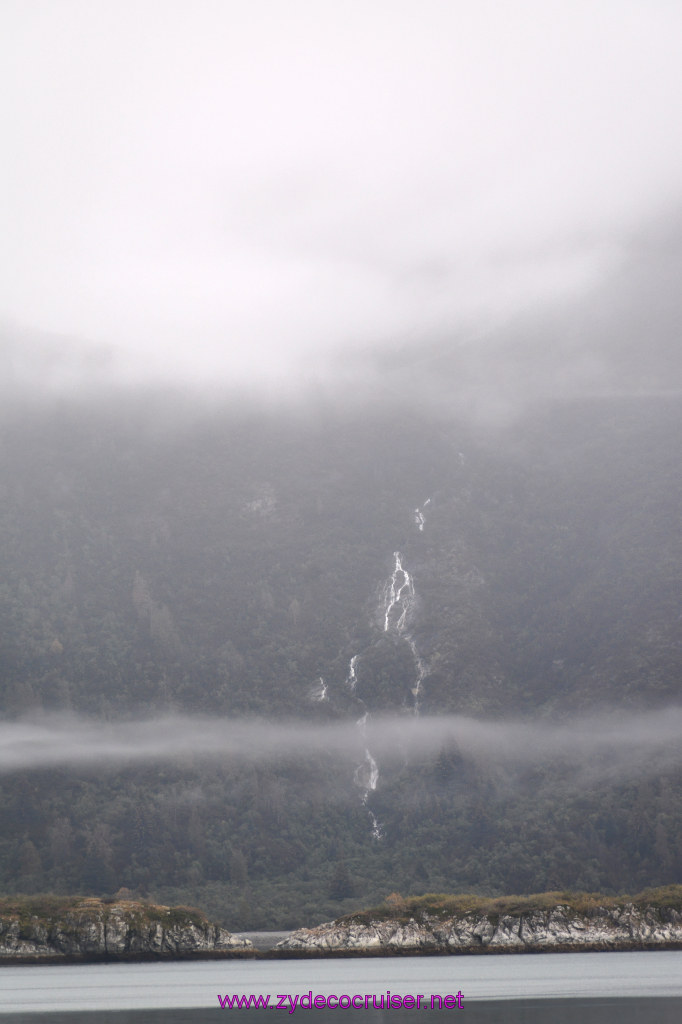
(557, 928)
(91, 927)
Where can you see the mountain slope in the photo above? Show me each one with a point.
(224, 563)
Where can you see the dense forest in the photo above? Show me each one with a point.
(161, 559)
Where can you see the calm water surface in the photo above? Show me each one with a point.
(590, 988)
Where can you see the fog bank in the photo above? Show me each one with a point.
(608, 746)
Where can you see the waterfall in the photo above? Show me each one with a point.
(366, 777)
(319, 690)
(419, 516)
(352, 678)
(399, 597)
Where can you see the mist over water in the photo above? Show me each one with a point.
(606, 747)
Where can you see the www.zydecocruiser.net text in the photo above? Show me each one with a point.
(342, 1002)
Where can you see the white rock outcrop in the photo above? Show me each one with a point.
(556, 928)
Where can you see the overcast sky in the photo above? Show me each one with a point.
(239, 190)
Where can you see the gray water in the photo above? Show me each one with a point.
(608, 988)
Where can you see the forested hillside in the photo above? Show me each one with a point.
(223, 563)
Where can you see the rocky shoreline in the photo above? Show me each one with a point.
(93, 929)
(86, 930)
(557, 929)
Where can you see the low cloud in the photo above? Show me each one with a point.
(263, 199)
(609, 747)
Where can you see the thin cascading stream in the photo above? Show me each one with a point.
(367, 776)
(352, 678)
(319, 689)
(399, 598)
(420, 516)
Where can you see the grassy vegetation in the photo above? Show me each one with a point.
(47, 908)
(443, 905)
